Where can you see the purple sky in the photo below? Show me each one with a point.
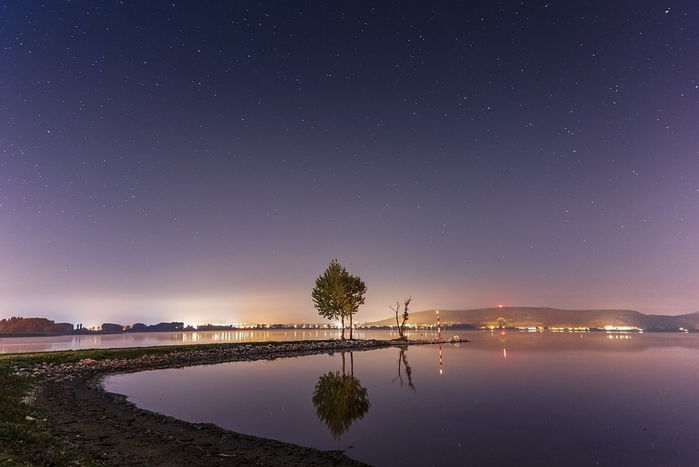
(204, 162)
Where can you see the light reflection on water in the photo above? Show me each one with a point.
(503, 399)
(146, 339)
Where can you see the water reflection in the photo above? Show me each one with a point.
(492, 339)
(145, 339)
(403, 363)
(340, 399)
(558, 399)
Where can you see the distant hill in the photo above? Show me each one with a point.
(549, 317)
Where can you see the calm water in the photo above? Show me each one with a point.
(145, 339)
(503, 399)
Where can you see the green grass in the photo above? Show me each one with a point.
(26, 442)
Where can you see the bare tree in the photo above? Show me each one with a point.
(397, 311)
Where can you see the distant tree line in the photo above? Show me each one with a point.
(42, 326)
(36, 326)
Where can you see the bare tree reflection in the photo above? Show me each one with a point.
(340, 399)
(403, 363)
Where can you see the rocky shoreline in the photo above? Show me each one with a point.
(71, 404)
(211, 354)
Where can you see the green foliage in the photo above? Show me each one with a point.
(354, 292)
(338, 294)
(339, 400)
(328, 293)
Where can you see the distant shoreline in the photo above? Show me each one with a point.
(372, 328)
(511, 318)
(556, 319)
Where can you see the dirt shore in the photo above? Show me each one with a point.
(111, 430)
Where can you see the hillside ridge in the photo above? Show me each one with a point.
(548, 317)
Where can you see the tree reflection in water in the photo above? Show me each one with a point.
(340, 399)
(403, 362)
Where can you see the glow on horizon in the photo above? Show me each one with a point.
(93, 311)
(252, 308)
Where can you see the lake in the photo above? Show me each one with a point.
(506, 398)
(147, 339)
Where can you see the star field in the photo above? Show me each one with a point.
(204, 161)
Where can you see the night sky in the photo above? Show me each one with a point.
(203, 161)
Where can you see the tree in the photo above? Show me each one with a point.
(340, 399)
(328, 294)
(337, 294)
(355, 289)
(401, 324)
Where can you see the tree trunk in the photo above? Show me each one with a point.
(343, 328)
(350, 327)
